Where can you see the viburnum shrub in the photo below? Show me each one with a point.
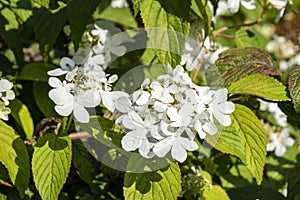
(194, 99)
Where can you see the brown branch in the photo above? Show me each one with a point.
(257, 21)
(79, 135)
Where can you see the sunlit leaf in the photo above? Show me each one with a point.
(294, 87)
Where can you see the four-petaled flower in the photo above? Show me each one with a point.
(279, 142)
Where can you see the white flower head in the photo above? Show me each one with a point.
(279, 142)
(119, 4)
(6, 92)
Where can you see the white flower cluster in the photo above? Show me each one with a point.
(85, 83)
(119, 4)
(279, 140)
(163, 115)
(285, 50)
(6, 94)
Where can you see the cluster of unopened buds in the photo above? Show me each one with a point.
(6, 95)
(164, 115)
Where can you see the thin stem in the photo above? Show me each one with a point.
(79, 135)
(216, 33)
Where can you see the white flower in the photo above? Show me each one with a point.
(4, 111)
(273, 108)
(234, 5)
(221, 108)
(119, 3)
(140, 131)
(279, 142)
(178, 146)
(9, 95)
(67, 67)
(163, 91)
(5, 85)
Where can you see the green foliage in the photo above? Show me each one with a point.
(14, 157)
(161, 184)
(166, 30)
(246, 38)
(245, 139)
(294, 87)
(237, 63)
(51, 164)
(22, 116)
(35, 72)
(261, 86)
(293, 183)
(216, 192)
(119, 15)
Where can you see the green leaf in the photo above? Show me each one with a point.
(47, 26)
(161, 184)
(261, 86)
(203, 11)
(79, 17)
(10, 33)
(166, 30)
(293, 183)
(83, 162)
(14, 157)
(22, 116)
(254, 192)
(45, 104)
(237, 63)
(245, 38)
(119, 15)
(215, 193)
(44, 3)
(51, 163)
(294, 87)
(35, 72)
(245, 139)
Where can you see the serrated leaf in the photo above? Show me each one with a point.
(14, 157)
(119, 15)
(293, 183)
(245, 139)
(79, 17)
(261, 86)
(83, 162)
(45, 104)
(246, 38)
(166, 31)
(22, 116)
(161, 184)
(35, 72)
(51, 164)
(294, 87)
(215, 193)
(237, 63)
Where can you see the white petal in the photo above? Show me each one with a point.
(67, 64)
(163, 147)
(123, 104)
(233, 5)
(119, 50)
(172, 114)
(249, 4)
(90, 98)
(133, 121)
(5, 85)
(225, 120)
(178, 152)
(132, 140)
(56, 72)
(271, 146)
(64, 110)
(288, 142)
(10, 95)
(210, 128)
(54, 82)
(198, 128)
(280, 150)
(80, 113)
(159, 106)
